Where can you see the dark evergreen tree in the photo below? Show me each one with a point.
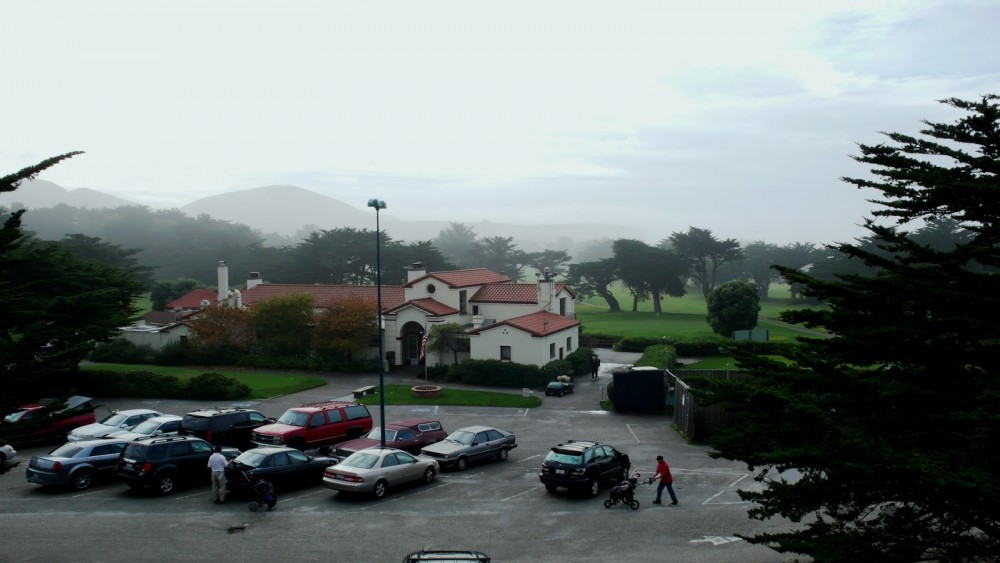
(705, 252)
(594, 279)
(888, 429)
(54, 306)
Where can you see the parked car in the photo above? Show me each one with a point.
(38, 421)
(409, 435)
(163, 425)
(7, 453)
(583, 465)
(166, 463)
(115, 422)
(316, 425)
(227, 427)
(451, 556)
(472, 443)
(283, 467)
(558, 388)
(77, 464)
(374, 470)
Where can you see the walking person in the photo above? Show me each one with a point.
(666, 480)
(217, 464)
(595, 364)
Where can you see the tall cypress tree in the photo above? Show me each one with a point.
(887, 431)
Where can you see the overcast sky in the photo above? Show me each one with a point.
(735, 116)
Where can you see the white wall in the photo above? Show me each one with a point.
(525, 349)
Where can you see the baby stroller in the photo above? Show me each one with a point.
(263, 493)
(624, 493)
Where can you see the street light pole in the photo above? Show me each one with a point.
(379, 204)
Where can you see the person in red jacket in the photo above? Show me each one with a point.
(666, 480)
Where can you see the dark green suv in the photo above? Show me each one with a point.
(583, 465)
(165, 463)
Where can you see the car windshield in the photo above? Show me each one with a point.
(294, 418)
(376, 434)
(360, 460)
(251, 458)
(66, 450)
(147, 426)
(115, 419)
(15, 416)
(572, 459)
(462, 437)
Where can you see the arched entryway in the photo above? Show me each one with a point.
(411, 335)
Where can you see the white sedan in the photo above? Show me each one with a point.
(7, 453)
(374, 470)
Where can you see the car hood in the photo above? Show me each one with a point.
(95, 429)
(276, 429)
(126, 435)
(358, 444)
(445, 447)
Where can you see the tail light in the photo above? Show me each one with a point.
(208, 436)
(146, 467)
(57, 466)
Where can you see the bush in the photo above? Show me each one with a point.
(214, 386)
(437, 373)
(121, 351)
(637, 343)
(494, 373)
(658, 356)
(580, 359)
(709, 346)
(177, 354)
(556, 368)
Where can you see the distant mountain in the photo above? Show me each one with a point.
(285, 210)
(280, 209)
(39, 194)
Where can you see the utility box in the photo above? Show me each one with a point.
(640, 389)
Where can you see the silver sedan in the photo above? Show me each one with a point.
(374, 470)
(76, 464)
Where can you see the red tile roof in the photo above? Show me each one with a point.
(537, 324)
(392, 295)
(464, 278)
(193, 299)
(512, 293)
(429, 305)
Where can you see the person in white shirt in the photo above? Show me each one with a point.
(217, 463)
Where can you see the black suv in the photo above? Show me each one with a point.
(583, 465)
(226, 427)
(163, 463)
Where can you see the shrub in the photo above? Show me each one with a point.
(708, 346)
(121, 351)
(214, 386)
(437, 373)
(636, 343)
(494, 373)
(658, 356)
(580, 359)
(176, 354)
(141, 384)
(556, 368)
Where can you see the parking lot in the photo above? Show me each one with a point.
(500, 508)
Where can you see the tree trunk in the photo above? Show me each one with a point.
(613, 306)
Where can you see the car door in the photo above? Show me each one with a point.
(277, 468)
(406, 440)
(480, 446)
(391, 471)
(606, 461)
(302, 469)
(409, 469)
(196, 462)
(104, 458)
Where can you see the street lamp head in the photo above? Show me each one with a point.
(376, 203)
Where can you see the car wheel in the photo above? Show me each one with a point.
(561, 393)
(551, 488)
(461, 464)
(380, 488)
(81, 479)
(429, 475)
(595, 488)
(634, 505)
(502, 454)
(165, 484)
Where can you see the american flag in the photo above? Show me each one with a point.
(423, 345)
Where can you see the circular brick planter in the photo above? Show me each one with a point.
(426, 391)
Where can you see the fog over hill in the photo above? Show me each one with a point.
(285, 210)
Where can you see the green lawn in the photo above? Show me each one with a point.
(263, 384)
(682, 317)
(400, 395)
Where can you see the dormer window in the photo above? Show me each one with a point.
(431, 288)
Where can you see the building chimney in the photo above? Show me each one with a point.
(254, 280)
(223, 282)
(416, 271)
(545, 289)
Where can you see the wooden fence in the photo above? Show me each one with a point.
(699, 422)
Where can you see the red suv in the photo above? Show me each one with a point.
(315, 425)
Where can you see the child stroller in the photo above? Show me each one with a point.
(624, 493)
(263, 493)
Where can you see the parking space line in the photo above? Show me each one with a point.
(521, 493)
(406, 496)
(527, 458)
(629, 426)
(727, 489)
(192, 495)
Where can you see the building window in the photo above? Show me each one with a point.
(552, 350)
(505, 353)
(562, 306)
(463, 302)
(475, 309)
(569, 343)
